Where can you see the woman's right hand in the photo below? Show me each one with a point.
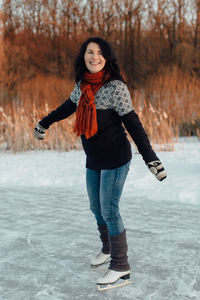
(39, 132)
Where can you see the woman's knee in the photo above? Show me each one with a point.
(95, 209)
(110, 215)
(97, 213)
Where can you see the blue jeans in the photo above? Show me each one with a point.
(104, 189)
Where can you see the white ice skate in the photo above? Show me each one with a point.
(100, 259)
(109, 281)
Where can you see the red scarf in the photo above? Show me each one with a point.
(86, 115)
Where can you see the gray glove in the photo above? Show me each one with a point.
(39, 132)
(157, 169)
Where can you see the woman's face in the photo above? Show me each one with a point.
(93, 58)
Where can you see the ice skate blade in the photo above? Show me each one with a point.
(100, 265)
(99, 268)
(110, 286)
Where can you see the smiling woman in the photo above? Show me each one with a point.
(103, 105)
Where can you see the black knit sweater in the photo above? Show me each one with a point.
(109, 148)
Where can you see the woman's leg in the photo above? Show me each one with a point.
(111, 186)
(93, 188)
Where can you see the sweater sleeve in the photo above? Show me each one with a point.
(139, 136)
(62, 112)
(122, 104)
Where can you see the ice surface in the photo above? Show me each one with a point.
(48, 234)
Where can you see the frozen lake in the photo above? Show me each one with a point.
(48, 234)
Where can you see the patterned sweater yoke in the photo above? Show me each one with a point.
(112, 95)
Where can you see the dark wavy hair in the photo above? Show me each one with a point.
(111, 61)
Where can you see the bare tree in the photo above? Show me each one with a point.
(197, 25)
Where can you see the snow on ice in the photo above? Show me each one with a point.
(48, 233)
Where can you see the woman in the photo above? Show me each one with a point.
(102, 104)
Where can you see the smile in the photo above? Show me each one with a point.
(94, 63)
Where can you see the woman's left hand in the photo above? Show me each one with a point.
(157, 169)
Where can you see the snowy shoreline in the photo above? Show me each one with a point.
(67, 169)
